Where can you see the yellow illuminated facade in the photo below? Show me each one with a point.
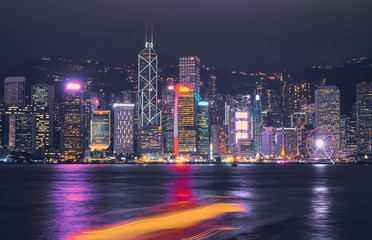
(184, 120)
(72, 128)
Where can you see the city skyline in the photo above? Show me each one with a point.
(286, 115)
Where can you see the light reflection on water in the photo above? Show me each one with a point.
(319, 217)
(282, 202)
(72, 198)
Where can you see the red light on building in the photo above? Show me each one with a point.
(191, 58)
(73, 86)
(96, 101)
(100, 112)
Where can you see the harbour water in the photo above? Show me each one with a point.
(280, 201)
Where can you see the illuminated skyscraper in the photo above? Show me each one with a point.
(42, 96)
(123, 128)
(246, 148)
(190, 71)
(149, 115)
(167, 108)
(275, 115)
(301, 121)
(202, 125)
(219, 139)
(239, 120)
(258, 125)
(14, 90)
(364, 116)
(184, 120)
(19, 128)
(148, 112)
(286, 141)
(100, 130)
(217, 109)
(72, 121)
(327, 110)
(351, 130)
(42, 133)
(25, 128)
(268, 141)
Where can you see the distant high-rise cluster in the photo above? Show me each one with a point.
(188, 111)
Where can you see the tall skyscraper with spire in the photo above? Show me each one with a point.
(149, 114)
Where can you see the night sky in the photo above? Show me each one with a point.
(246, 35)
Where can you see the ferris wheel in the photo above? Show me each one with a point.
(321, 143)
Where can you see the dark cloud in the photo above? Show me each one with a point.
(250, 35)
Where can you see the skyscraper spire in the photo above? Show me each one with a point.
(146, 41)
(152, 34)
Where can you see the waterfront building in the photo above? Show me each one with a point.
(202, 126)
(167, 108)
(51, 153)
(246, 148)
(304, 134)
(100, 132)
(184, 120)
(351, 131)
(42, 97)
(268, 141)
(150, 140)
(327, 110)
(25, 128)
(123, 128)
(18, 125)
(4, 128)
(258, 125)
(14, 90)
(286, 142)
(239, 120)
(219, 140)
(72, 141)
(300, 120)
(189, 73)
(364, 116)
(43, 132)
(149, 114)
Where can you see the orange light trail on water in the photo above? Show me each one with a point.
(209, 233)
(143, 227)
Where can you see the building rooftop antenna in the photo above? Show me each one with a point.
(152, 34)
